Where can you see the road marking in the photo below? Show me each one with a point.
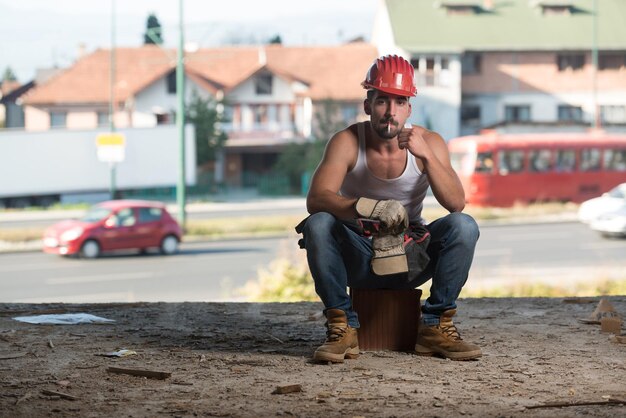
(101, 278)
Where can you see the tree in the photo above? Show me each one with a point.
(300, 158)
(154, 33)
(203, 114)
(276, 39)
(9, 75)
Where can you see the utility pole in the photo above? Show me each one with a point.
(594, 62)
(112, 96)
(180, 120)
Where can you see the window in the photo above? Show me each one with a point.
(615, 159)
(445, 64)
(540, 160)
(58, 119)
(263, 84)
(163, 118)
(611, 61)
(510, 161)
(171, 82)
(565, 160)
(149, 214)
(103, 118)
(430, 72)
(471, 63)
(613, 114)
(260, 113)
(461, 9)
(517, 113)
(570, 113)
(556, 9)
(484, 162)
(470, 115)
(125, 217)
(570, 61)
(590, 159)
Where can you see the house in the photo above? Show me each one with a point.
(485, 63)
(270, 94)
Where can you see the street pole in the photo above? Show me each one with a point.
(180, 120)
(112, 96)
(594, 61)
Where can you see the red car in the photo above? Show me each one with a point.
(115, 225)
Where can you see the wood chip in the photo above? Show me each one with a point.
(59, 394)
(12, 356)
(281, 390)
(139, 372)
(611, 401)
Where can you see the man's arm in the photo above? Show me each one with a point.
(432, 150)
(339, 156)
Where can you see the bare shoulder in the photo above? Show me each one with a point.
(431, 137)
(342, 147)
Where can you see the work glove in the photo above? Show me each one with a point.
(389, 254)
(390, 213)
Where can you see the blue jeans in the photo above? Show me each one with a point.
(338, 257)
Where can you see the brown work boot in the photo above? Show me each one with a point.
(444, 340)
(341, 339)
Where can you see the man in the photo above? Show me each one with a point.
(381, 170)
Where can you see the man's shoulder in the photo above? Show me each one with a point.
(347, 135)
(427, 134)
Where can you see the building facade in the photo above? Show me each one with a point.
(269, 95)
(489, 63)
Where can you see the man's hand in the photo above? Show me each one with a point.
(410, 139)
(390, 213)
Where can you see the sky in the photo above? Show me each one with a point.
(43, 34)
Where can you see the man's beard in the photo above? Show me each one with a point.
(385, 132)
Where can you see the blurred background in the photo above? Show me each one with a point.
(222, 111)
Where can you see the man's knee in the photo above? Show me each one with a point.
(319, 224)
(463, 226)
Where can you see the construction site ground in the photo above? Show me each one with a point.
(235, 359)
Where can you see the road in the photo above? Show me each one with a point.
(213, 271)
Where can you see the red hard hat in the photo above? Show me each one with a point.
(391, 74)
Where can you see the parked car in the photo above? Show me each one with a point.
(607, 213)
(608, 202)
(115, 225)
(612, 224)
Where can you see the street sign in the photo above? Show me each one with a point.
(111, 147)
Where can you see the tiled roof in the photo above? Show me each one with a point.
(513, 25)
(7, 87)
(330, 72)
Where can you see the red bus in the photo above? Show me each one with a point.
(505, 169)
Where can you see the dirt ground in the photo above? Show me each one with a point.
(228, 359)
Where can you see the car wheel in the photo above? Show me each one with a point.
(90, 249)
(169, 245)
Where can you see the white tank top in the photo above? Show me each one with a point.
(409, 189)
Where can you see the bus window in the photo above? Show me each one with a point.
(484, 162)
(615, 159)
(510, 161)
(540, 160)
(590, 159)
(462, 163)
(565, 160)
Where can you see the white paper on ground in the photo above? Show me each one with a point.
(64, 319)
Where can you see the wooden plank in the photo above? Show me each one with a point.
(139, 372)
